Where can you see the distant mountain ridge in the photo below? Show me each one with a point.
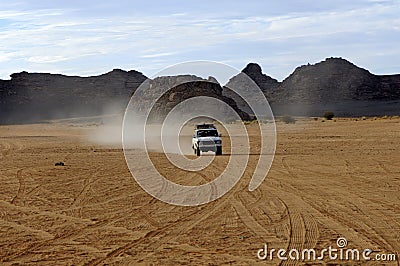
(336, 79)
(334, 84)
(33, 97)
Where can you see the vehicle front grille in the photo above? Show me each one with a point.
(207, 143)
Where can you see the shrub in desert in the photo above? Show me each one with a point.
(288, 119)
(329, 115)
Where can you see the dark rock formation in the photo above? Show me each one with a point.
(266, 83)
(182, 88)
(332, 85)
(249, 79)
(334, 80)
(34, 97)
(339, 86)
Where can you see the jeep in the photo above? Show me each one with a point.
(206, 138)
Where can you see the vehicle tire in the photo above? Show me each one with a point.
(218, 151)
(198, 151)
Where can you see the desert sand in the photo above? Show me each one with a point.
(328, 180)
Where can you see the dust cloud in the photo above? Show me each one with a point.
(134, 133)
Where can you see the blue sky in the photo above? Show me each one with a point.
(93, 37)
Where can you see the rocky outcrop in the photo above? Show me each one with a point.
(33, 97)
(334, 84)
(251, 78)
(266, 83)
(36, 97)
(334, 80)
(337, 85)
(181, 88)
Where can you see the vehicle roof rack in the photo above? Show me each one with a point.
(205, 126)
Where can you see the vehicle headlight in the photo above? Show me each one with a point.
(217, 141)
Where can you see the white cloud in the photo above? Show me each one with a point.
(46, 59)
(63, 38)
(157, 55)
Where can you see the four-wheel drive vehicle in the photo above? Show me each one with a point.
(206, 138)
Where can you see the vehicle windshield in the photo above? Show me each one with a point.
(207, 133)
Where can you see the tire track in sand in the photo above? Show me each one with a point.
(5, 148)
(248, 218)
(297, 199)
(213, 187)
(297, 232)
(304, 230)
(179, 227)
(79, 199)
(19, 197)
(64, 236)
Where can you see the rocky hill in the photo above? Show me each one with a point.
(246, 82)
(33, 97)
(182, 88)
(36, 97)
(334, 84)
(335, 80)
(266, 83)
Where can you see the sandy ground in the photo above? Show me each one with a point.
(328, 180)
